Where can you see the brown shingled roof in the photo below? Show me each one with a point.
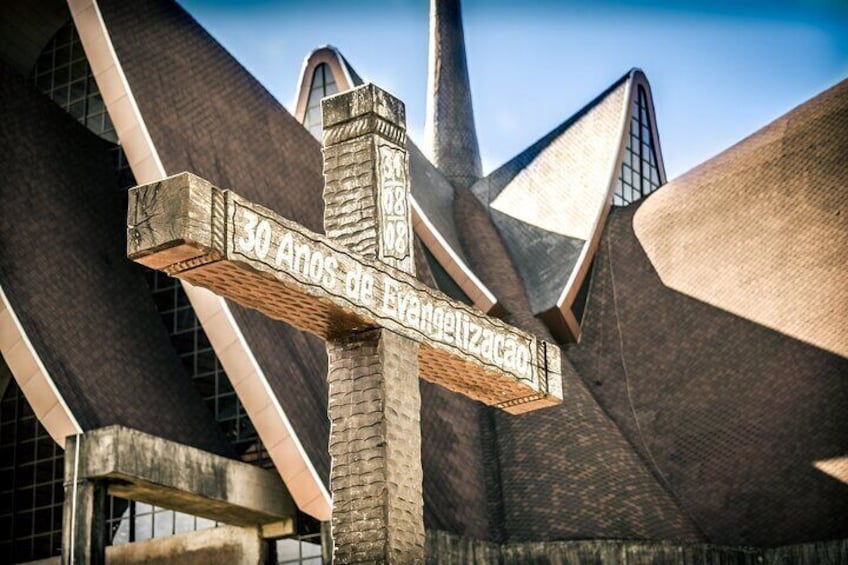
(762, 229)
(85, 308)
(730, 414)
(682, 422)
(234, 133)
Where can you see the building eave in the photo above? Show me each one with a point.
(247, 377)
(32, 377)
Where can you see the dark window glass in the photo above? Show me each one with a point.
(62, 61)
(303, 549)
(639, 175)
(203, 367)
(322, 85)
(443, 279)
(31, 490)
(578, 308)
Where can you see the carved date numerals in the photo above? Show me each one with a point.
(393, 203)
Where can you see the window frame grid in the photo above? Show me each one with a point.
(25, 488)
(639, 163)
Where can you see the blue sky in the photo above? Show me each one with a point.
(718, 70)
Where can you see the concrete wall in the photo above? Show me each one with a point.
(224, 545)
(447, 549)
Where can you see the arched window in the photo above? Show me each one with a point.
(323, 84)
(639, 174)
(62, 73)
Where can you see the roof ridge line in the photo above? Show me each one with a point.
(563, 126)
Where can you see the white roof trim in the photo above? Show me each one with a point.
(641, 80)
(481, 297)
(430, 101)
(590, 245)
(249, 381)
(32, 377)
(637, 78)
(324, 54)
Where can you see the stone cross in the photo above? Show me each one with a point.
(354, 288)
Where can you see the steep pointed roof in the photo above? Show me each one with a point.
(432, 194)
(451, 134)
(547, 201)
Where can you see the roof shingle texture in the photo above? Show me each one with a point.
(546, 200)
(762, 229)
(86, 309)
(450, 113)
(571, 472)
(565, 472)
(732, 415)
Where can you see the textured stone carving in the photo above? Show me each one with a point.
(315, 284)
(356, 289)
(375, 404)
(375, 445)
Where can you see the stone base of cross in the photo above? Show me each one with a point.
(355, 288)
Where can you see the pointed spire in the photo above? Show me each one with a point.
(451, 135)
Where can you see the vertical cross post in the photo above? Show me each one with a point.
(374, 400)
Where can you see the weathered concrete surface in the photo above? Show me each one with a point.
(224, 545)
(147, 468)
(375, 445)
(449, 549)
(83, 517)
(374, 400)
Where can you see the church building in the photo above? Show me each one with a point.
(702, 321)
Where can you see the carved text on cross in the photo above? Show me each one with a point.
(350, 288)
(309, 281)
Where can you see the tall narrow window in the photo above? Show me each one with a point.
(204, 368)
(639, 174)
(62, 72)
(444, 281)
(323, 85)
(31, 474)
